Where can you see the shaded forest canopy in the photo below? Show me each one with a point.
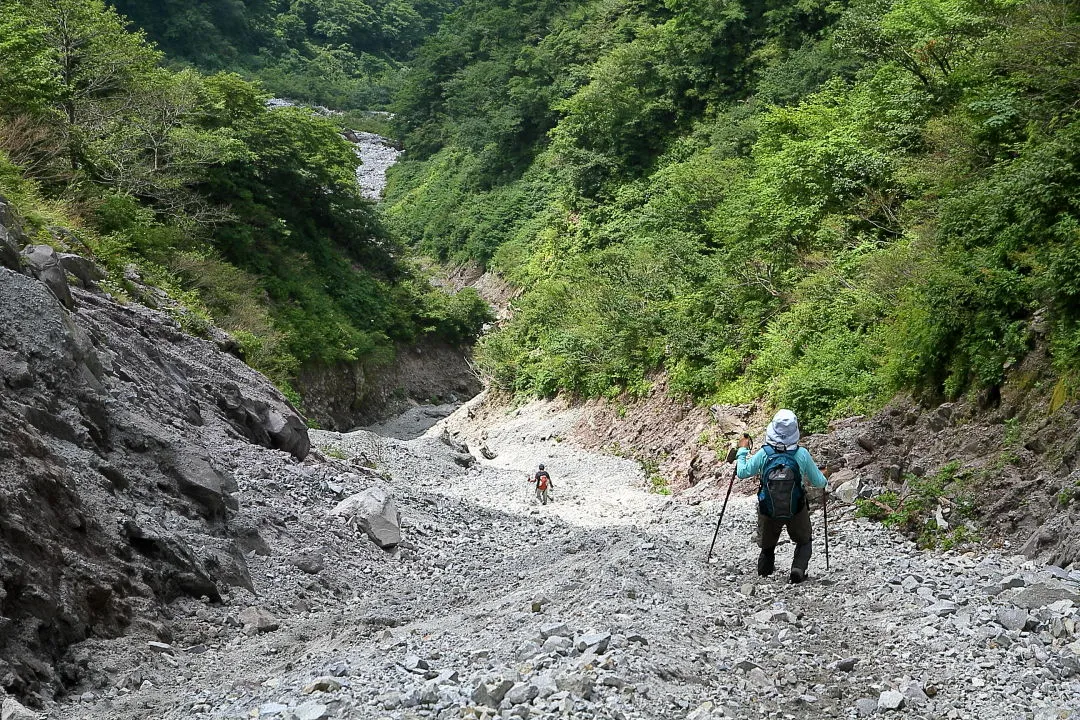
(820, 203)
(346, 54)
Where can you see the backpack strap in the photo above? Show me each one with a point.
(770, 452)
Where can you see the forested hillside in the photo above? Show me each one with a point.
(819, 202)
(251, 217)
(346, 54)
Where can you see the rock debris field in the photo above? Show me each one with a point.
(377, 156)
(599, 605)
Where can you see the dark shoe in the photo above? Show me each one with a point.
(766, 563)
(797, 575)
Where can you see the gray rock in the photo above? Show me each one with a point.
(44, 264)
(311, 562)
(375, 513)
(272, 708)
(287, 432)
(389, 700)
(311, 711)
(577, 684)
(491, 694)
(9, 247)
(891, 700)
(199, 480)
(770, 616)
(759, 679)
(866, 706)
(596, 642)
(426, 695)
(704, 711)
(847, 492)
(1043, 594)
(446, 677)
(916, 696)
(847, 664)
(1012, 618)
(555, 629)
(13, 710)
(258, 620)
(557, 644)
(84, 271)
(941, 608)
(545, 685)
(415, 664)
(528, 651)
(522, 694)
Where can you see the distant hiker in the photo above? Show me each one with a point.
(543, 485)
(782, 467)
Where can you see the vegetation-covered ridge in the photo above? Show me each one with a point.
(348, 54)
(819, 202)
(252, 217)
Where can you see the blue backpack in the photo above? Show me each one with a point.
(781, 493)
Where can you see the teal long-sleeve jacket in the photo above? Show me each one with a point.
(749, 467)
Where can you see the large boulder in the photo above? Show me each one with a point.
(201, 482)
(11, 236)
(9, 249)
(44, 264)
(84, 271)
(280, 428)
(374, 511)
(12, 710)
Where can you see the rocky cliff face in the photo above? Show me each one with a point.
(114, 496)
(344, 397)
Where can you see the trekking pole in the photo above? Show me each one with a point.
(708, 558)
(730, 458)
(825, 512)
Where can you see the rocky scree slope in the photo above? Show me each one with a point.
(598, 605)
(113, 499)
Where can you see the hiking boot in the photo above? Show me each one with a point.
(797, 575)
(766, 563)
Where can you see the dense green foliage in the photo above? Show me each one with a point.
(340, 53)
(820, 203)
(251, 216)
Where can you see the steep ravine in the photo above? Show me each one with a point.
(349, 395)
(171, 549)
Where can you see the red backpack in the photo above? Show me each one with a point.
(542, 480)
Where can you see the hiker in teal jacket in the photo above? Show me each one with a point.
(782, 441)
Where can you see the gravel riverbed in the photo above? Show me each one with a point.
(598, 605)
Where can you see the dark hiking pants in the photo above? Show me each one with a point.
(798, 529)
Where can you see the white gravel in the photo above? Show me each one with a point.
(377, 156)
